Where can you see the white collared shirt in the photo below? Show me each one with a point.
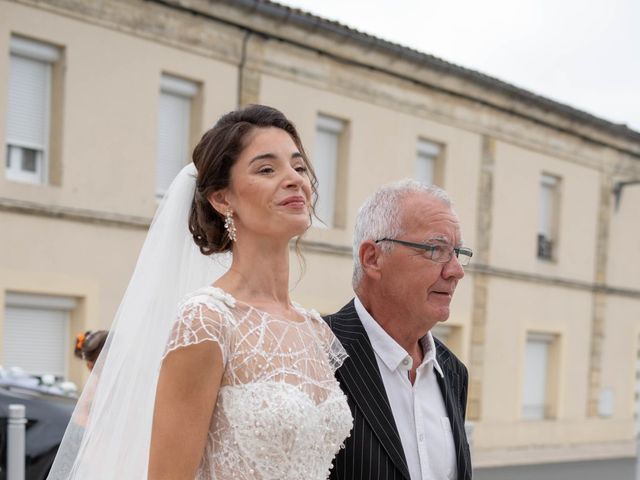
(418, 409)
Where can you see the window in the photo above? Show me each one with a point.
(427, 162)
(174, 129)
(36, 333)
(548, 216)
(329, 137)
(606, 402)
(442, 332)
(450, 335)
(539, 383)
(29, 109)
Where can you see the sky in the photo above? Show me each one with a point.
(583, 53)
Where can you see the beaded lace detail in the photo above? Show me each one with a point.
(280, 413)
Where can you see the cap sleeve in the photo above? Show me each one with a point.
(202, 320)
(336, 353)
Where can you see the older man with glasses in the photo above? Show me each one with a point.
(406, 390)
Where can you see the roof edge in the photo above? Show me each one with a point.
(306, 20)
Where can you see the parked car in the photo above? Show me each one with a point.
(47, 411)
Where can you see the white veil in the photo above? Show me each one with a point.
(110, 431)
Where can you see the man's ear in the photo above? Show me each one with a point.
(219, 201)
(370, 258)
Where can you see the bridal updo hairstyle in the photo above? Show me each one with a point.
(89, 345)
(213, 157)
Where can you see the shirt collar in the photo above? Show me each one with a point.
(429, 349)
(390, 352)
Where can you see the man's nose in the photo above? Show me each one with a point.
(453, 268)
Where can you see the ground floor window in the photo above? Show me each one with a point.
(36, 333)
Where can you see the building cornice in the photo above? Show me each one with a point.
(352, 47)
(272, 21)
(550, 280)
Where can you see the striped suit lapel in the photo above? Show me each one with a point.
(360, 377)
(451, 386)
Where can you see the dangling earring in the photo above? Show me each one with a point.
(229, 226)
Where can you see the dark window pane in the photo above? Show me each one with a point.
(29, 160)
(545, 247)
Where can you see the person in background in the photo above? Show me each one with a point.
(89, 345)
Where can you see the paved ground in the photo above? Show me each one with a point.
(622, 469)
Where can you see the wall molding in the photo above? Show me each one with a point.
(142, 223)
(74, 214)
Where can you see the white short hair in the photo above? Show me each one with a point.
(380, 217)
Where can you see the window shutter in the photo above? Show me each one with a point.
(174, 128)
(36, 333)
(547, 197)
(28, 108)
(173, 139)
(427, 155)
(535, 377)
(328, 131)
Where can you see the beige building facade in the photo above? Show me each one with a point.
(548, 316)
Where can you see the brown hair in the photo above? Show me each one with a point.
(89, 345)
(213, 157)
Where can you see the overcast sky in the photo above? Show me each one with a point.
(583, 53)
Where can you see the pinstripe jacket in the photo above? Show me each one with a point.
(374, 451)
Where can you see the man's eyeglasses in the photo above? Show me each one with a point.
(437, 253)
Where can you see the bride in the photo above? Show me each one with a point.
(235, 381)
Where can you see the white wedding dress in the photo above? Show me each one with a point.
(280, 413)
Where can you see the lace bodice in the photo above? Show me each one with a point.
(280, 413)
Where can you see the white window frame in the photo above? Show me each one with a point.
(46, 55)
(327, 170)
(13, 167)
(181, 90)
(45, 302)
(428, 154)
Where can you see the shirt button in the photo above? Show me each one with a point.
(405, 362)
(421, 437)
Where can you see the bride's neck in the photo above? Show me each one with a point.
(259, 273)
